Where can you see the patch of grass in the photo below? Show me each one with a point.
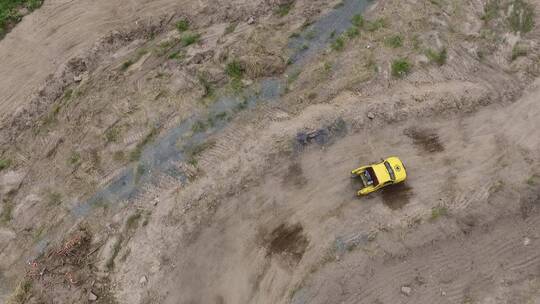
(126, 64)
(4, 163)
(136, 153)
(437, 212)
(531, 181)
(9, 13)
(438, 57)
(182, 25)
(74, 158)
(312, 96)
(394, 41)
(352, 32)
(491, 10)
(401, 67)
(338, 44)
(178, 55)
(119, 156)
(194, 151)
(234, 69)
(294, 35)
(241, 106)
(207, 86)
(375, 25)
(54, 198)
(284, 9)
(358, 20)
(21, 293)
(199, 126)
(236, 85)
(521, 18)
(519, 51)
(310, 35)
(112, 134)
(189, 38)
(7, 212)
(230, 28)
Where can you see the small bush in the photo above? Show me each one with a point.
(230, 28)
(7, 212)
(189, 39)
(9, 12)
(437, 212)
(284, 9)
(521, 18)
(358, 20)
(375, 25)
(352, 32)
(182, 25)
(126, 64)
(338, 44)
(4, 163)
(438, 57)
(112, 134)
(74, 158)
(519, 51)
(395, 41)
(400, 67)
(234, 69)
(199, 126)
(491, 10)
(21, 293)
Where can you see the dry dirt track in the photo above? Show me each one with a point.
(476, 165)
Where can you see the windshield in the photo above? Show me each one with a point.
(390, 170)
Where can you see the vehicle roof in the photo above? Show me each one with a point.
(381, 172)
(399, 168)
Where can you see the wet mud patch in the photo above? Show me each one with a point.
(323, 137)
(294, 176)
(288, 243)
(425, 140)
(397, 196)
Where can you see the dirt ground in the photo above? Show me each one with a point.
(146, 169)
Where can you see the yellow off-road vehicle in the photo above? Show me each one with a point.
(388, 172)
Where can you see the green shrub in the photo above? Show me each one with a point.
(4, 163)
(375, 25)
(189, 39)
(519, 51)
(521, 18)
(182, 25)
(352, 32)
(437, 212)
(284, 9)
(401, 67)
(438, 57)
(9, 12)
(358, 20)
(74, 158)
(234, 69)
(230, 28)
(126, 64)
(394, 41)
(338, 44)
